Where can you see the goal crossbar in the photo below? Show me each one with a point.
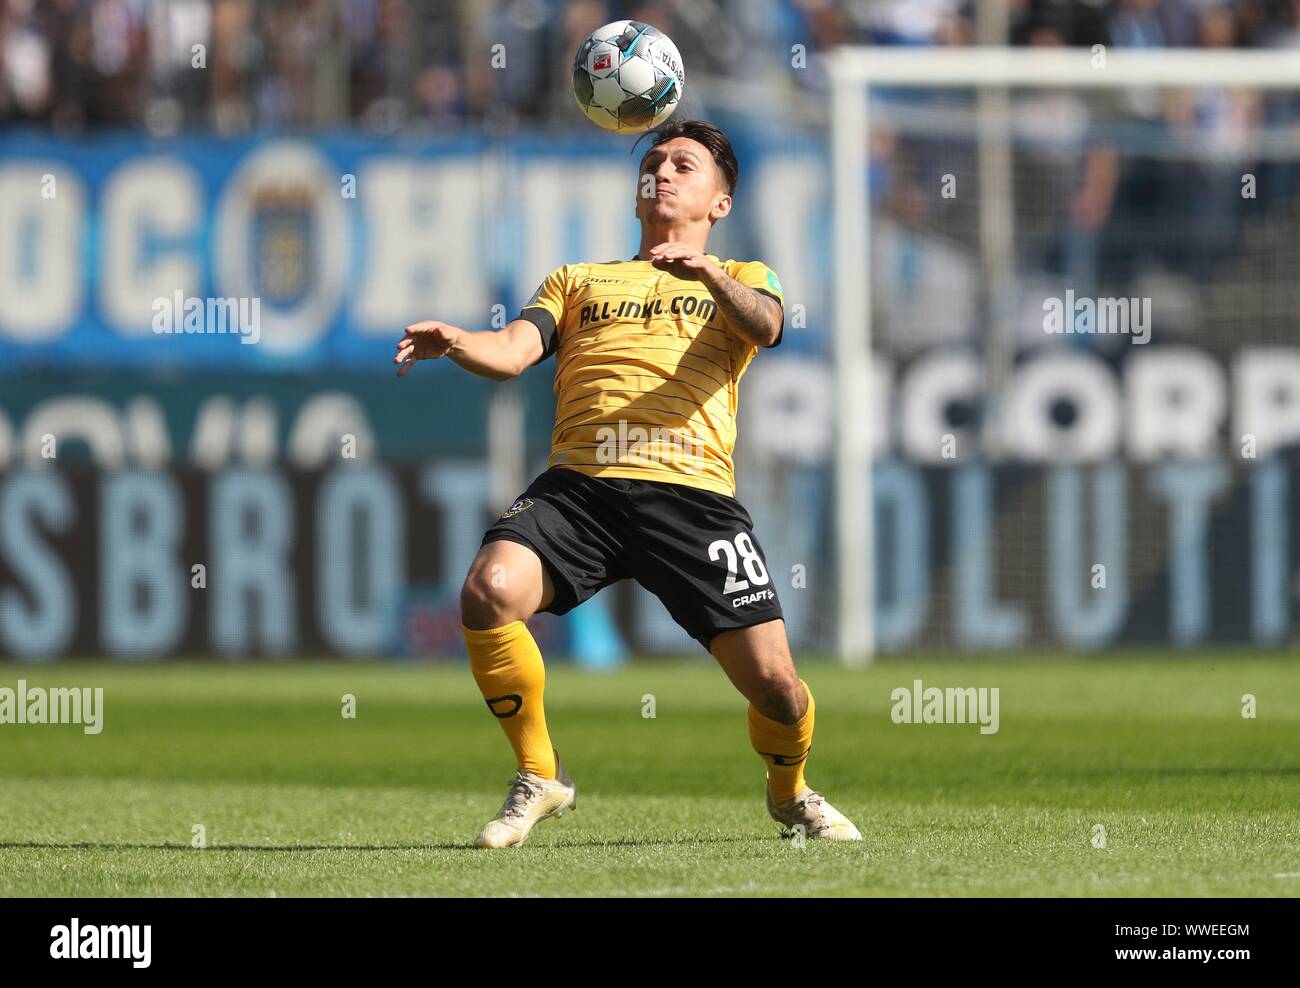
(1065, 67)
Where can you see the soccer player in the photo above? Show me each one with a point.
(649, 354)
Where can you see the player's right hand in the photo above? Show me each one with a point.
(427, 340)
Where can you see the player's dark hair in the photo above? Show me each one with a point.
(708, 135)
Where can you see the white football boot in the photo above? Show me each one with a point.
(817, 817)
(532, 798)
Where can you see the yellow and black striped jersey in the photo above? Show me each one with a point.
(646, 375)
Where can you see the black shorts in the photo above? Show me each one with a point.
(695, 550)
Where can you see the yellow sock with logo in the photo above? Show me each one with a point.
(507, 666)
(784, 747)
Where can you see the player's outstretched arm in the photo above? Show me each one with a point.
(498, 354)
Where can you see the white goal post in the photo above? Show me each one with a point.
(852, 72)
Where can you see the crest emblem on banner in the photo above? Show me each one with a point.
(282, 233)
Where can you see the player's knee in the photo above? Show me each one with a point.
(486, 600)
(780, 695)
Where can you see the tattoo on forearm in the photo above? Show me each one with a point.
(745, 310)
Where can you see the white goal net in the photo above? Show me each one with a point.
(1066, 348)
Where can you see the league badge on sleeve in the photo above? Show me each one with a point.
(523, 504)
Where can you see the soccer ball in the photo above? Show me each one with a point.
(628, 77)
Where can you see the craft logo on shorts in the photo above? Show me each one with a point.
(523, 504)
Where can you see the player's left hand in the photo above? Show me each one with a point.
(686, 261)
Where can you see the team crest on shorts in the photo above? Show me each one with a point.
(523, 504)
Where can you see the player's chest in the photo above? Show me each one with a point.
(668, 305)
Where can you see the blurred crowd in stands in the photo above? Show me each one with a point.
(238, 65)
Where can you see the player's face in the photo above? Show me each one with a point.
(681, 183)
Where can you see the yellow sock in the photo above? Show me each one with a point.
(507, 666)
(784, 747)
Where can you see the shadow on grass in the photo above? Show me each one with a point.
(456, 846)
(93, 846)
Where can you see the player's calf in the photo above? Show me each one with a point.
(505, 586)
(779, 695)
(757, 661)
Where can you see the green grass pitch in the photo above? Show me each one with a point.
(297, 800)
